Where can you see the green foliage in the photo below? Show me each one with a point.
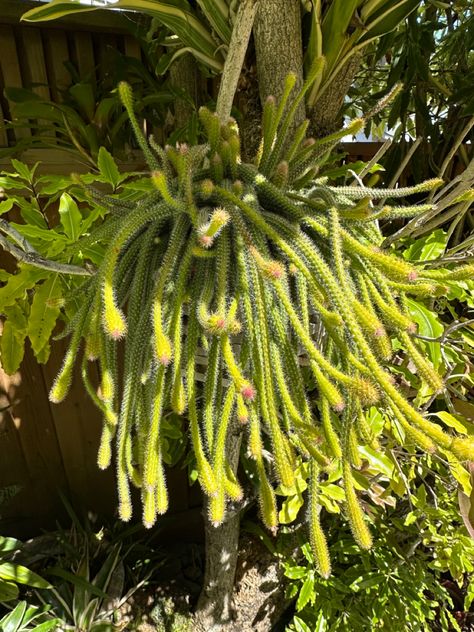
(87, 115)
(25, 618)
(53, 213)
(13, 575)
(401, 578)
(220, 249)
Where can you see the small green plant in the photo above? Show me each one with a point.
(14, 575)
(25, 618)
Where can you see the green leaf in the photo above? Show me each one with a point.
(300, 625)
(454, 421)
(31, 214)
(378, 462)
(45, 309)
(21, 575)
(47, 626)
(8, 591)
(107, 167)
(23, 170)
(71, 217)
(19, 284)
(427, 248)
(296, 572)
(290, 508)
(9, 544)
(12, 622)
(35, 232)
(5, 206)
(12, 348)
(430, 326)
(77, 581)
(306, 592)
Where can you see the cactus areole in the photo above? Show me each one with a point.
(237, 260)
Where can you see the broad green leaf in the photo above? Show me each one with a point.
(460, 473)
(306, 592)
(430, 326)
(45, 310)
(71, 217)
(377, 461)
(31, 214)
(300, 625)
(18, 284)
(22, 169)
(107, 167)
(296, 572)
(290, 508)
(21, 575)
(457, 422)
(332, 491)
(8, 591)
(83, 93)
(217, 14)
(12, 622)
(35, 232)
(9, 544)
(387, 18)
(5, 206)
(182, 20)
(427, 248)
(48, 626)
(334, 28)
(76, 581)
(12, 348)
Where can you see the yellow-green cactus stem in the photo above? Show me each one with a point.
(317, 537)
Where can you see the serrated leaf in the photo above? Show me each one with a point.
(12, 348)
(306, 592)
(107, 167)
(45, 310)
(18, 284)
(71, 217)
(22, 169)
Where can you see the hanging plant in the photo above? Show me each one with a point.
(234, 263)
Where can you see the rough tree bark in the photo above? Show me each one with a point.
(278, 48)
(184, 76)
(325, 117)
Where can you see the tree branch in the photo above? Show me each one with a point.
(235, 57)
(25, 252)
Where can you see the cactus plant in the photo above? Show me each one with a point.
(238, 259)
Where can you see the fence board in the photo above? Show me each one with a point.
(85, 55)
(132, 47)
(57, 53)
(10, 67)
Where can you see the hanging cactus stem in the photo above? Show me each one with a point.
(240, 260)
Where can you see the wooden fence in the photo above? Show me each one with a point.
(44, 448)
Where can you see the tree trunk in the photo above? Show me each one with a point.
(184, 76)
(279, 48)
(326, 116)
(214, 612)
